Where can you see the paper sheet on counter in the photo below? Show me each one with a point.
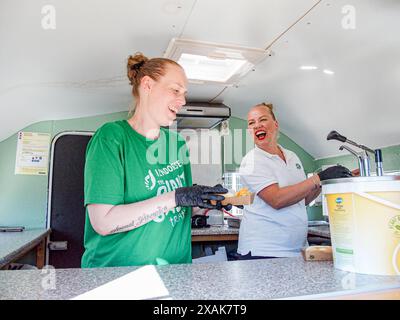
(143, 283)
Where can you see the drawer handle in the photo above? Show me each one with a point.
(58, 245)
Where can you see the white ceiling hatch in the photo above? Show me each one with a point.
(215, 63)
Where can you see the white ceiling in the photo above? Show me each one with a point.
(78, 69)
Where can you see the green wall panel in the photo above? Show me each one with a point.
(390, 155)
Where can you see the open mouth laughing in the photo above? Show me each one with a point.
(173, 109)
(260, 134)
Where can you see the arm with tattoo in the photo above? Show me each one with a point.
(108, 219)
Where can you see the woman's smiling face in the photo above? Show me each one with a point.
(262, 126)
(167, 95)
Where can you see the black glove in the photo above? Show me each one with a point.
(219, 206)
(334, 172)
(200, 196)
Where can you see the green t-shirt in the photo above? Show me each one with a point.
(124, 167)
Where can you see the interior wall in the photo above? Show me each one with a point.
(22, 197)
(390, 156)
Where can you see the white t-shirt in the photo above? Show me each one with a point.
(264, 230)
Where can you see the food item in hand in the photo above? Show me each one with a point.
(241, 197)
(243, 192)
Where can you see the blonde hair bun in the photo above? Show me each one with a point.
(134, 64)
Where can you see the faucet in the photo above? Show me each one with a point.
(363, 157)
(361, 162)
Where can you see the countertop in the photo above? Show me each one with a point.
(322, 231)
(15, 244)
(248, 279)
(215, 230)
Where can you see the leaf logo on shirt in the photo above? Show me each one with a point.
(150, 181)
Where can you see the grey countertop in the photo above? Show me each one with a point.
(15, 244)
(322, 231)
(251, 279)
(215, 230)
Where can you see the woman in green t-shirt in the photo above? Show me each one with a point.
(138, 185)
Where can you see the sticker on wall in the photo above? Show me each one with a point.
(32, 153)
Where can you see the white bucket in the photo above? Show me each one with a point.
(364, 217)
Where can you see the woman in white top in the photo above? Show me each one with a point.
(275, 225)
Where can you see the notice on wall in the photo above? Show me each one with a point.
(32, 153)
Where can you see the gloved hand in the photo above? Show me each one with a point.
(200, 196)
(334, 172)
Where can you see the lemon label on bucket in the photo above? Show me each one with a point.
(394, 224)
